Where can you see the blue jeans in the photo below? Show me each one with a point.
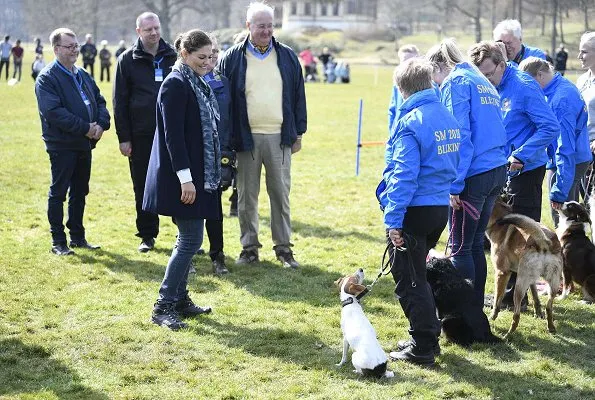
(481, 191)
(71, 171)
(173, 287)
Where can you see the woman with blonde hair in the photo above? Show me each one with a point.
(481, 172)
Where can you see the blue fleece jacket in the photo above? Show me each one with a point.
(572, 145)
(424, 148)
(475, 103)
(530, 123)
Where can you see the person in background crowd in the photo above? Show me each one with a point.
(309, 63)
(481, 172)
(140, 72)
(569, 154)
(17, 60)
(89, 52)
(561, 59)
(405, 52)
(38, 46)
(5, 52)
(105, 58)
(266, 128)
(586, 86)
(510, 33)
(548, 58)
(530, 127)
(414, 197)
(121, 48)
(183, 179)
(37, 65)
(220, 86)
(73, 118)
(342, 71)
(324, 58)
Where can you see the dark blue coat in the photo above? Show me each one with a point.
(178, 145)
(233, 66)
(220, 85)
(64, 116)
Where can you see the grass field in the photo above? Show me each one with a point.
(78, 327)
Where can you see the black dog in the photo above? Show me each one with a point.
(463, 321)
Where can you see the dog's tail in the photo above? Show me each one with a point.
(529, 228)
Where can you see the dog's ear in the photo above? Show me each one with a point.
(354, 288)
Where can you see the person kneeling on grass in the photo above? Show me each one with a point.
(184, 171)
(422, 154)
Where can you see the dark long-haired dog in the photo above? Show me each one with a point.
(577, 250)
(463, 320)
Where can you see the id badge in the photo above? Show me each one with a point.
(158, 74)
(85, 98)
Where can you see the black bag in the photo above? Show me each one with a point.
(228, 168)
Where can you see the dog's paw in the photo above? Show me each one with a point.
(389, 374)
(339, 364)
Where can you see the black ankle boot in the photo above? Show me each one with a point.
(186, 308)
(166, 315)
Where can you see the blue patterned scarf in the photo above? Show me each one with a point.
(209, 118)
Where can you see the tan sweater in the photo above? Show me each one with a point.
(264, 93)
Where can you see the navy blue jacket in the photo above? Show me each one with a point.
(530, 123)
(64, 116)
(475, 103)
(220, 86)
(178, 145)
(233, 66)
(572, 145)
(422, 154)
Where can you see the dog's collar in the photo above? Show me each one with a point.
(351, 300)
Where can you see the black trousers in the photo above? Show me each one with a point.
(422, 228)
(4, 62)
(215, 233)
(105, 68)
(147, 224)
(71, 171)
(526, 190)
(92, 69)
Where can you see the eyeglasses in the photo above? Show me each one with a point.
(490, 74)
(71, 47)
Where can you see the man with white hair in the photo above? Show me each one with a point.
(510, 33)
(268, 121)
(89, 52)
(139, 73)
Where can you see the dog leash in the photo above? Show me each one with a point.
(469, 209)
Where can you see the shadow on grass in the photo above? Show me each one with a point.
(304, 349)
(30, 370)
(307, 284)
(141, 270)
(510, 384)
(309, 230)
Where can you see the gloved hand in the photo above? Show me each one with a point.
(228, 164)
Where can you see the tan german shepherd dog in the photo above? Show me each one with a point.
(521, 245)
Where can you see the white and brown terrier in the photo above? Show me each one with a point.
(368, 358)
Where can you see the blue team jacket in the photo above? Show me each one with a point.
(572, 145)
(475, 103)
(424, 153)
(220, 86)
(526, 52)
(396, 101)
(530, 123)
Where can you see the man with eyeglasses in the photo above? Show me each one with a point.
(267, 124)
(139, 73)
(73, 118)
(510, 33)
(530, 126)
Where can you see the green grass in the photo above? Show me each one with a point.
(78, 327)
